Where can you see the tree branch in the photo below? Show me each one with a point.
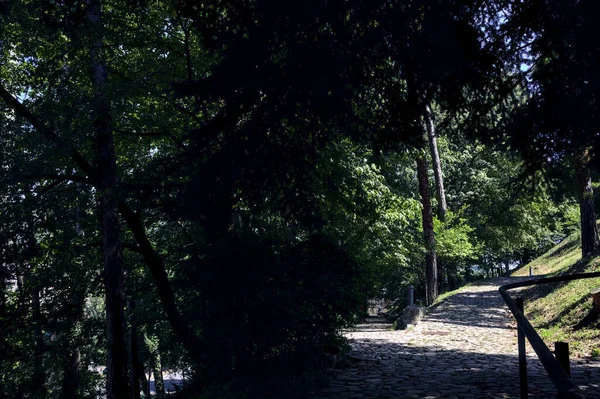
(142, 134)
(178, 142)
(41, 128)
(61, 178)
(152, 259)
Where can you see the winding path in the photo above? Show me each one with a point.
(465, 348)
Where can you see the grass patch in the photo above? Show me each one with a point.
(563, 311)
(556, 260)
(442, 297)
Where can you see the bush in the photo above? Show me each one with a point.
(275, 308)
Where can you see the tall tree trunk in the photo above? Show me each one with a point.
(72, 373)
(589, 229)
(182, 329)
(106, 181)
(451, 272)
(438, 178)
(135, 373)
(431, 291)
(39, 375)
(159, 384)
(143, 380)
(3, 313)
(437, 166)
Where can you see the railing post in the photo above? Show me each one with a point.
(561, 351)
(522, 354)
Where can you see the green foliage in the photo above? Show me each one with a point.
(268, 152)
(454, 239)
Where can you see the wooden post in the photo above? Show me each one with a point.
(561, 351)
(596, 297)
(522, 355)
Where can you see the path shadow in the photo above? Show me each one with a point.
(561, 249)
(591, 318)
(393, 370)
(487, 307)
(561, 314)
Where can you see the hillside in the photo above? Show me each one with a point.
(562, 311)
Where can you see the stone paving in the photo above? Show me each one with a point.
(465, 348)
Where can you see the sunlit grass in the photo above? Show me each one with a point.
(556, 260)
(446, 295)
(562, 311)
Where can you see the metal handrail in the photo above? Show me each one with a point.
(561, 380)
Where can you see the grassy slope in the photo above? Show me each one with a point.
(558, 310)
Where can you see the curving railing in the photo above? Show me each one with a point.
(557, 364)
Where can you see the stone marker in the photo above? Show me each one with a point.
(410, 315)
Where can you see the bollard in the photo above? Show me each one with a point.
(411, 295)
(596, 299)
(530, 271)
(561, 351)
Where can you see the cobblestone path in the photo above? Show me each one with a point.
(466, 348)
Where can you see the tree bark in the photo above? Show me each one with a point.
(159, 384)
(156, 266)
(135, 372)
(439, 180)
(589, 229)
(431, 291)
(437, 166)
(72, 373)
(39, 375)
(3, 313)
(72, 376)
(71, 384)
(106, 182)
(451, 272)
(144, 380)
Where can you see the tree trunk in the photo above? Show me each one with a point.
(159, 384)
(3, 312)
(71, 383)
(441, 275)
(451, 272)
(72, 373)
(526, 258)
(144, 380)
(149, 377)
(155, 264)
(39, 375)
(135, 372)
(589, 229)
(438, 177)
(106, 181)
(72, 377)
(153, 261)
(431, 291)
(437, 166)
